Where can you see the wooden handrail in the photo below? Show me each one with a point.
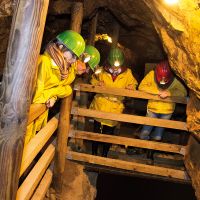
(130, 118)
(35, 111)
(128, 141)
(127, 93)
(132, 166)
(43, 186)
(37, 143)
(27, 188)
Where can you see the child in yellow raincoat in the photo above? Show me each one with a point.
(114, 76)
(162, 83)
(57, 68)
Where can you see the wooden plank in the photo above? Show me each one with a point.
(37, 143)
(127, 93)
(26, 33)
(35, 111)
(43, 186)
(27, 188)
(128, 141)
(192, 163)
(137, 167)
(130, 118)
(63, 131)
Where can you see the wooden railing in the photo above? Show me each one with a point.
(37, 182)
(137, 167)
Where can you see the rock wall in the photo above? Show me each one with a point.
(179, 29)
(78, 184)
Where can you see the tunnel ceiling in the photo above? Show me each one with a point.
(146, 28)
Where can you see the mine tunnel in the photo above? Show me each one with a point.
(80, 125)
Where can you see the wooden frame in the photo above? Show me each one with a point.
(128, 141)
(132, 166)
(130, 118)
(35, 111)
(37, 143)
(127, 93)
(43, 186)
(27, 188)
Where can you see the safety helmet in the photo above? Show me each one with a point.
(73, 41)
(163, 74)
(116, 57)
(94, 56)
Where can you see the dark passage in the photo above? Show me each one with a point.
(117, 187)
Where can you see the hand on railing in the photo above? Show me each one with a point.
(164, 94)
(101, 83)
(50, 103)
(130, 87)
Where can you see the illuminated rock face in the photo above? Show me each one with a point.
(179, 28)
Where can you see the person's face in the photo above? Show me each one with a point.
(68, 55)
(70, 58)
(80, 67)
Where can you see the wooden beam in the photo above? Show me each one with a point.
(35, 111)
(130, 118)
(128, 141)
(43, 186)
(115, 33)
(137, 167)
(64, 119)
(127, 93)
(37, 143)
(27, 188)
(23, 49)
(77, 16)
(92, 30)
(62, 137)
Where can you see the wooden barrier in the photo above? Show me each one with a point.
(35, 111)
(37, 143)
(128, 141)
(130, 118)
(137, 167)
(43, 186)
(27, 188)
(127, 93)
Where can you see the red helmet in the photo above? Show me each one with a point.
(163, 74)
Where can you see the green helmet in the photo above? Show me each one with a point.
(73, 41)
(95, 56)
(116, 57)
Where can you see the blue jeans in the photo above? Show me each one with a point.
(158, 131)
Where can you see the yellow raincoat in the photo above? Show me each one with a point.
(149, 85)
(111, 103)
(48, 85)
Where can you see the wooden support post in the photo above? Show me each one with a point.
(77, 17)
(63, 131)
(92, 30)
(15, 95)
(115, 35)
(64, 119)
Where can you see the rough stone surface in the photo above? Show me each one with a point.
(78, 184)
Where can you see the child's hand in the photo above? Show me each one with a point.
(101, 83)
(129, 87)
(164, 94)
(50, 103)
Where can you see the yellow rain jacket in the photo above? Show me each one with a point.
(111, 103)
(48, 85)
(149, 85)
